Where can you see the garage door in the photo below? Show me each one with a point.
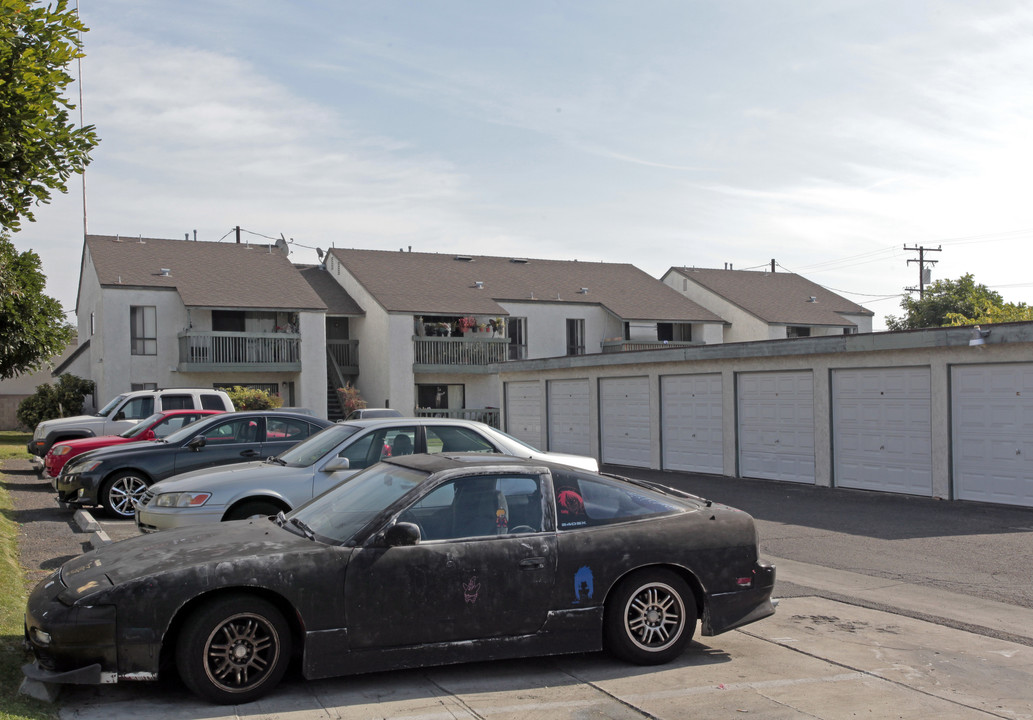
(992, 425)
(624, 421)
(882, 430)
(524, 411)
(568, 417)
(690, 423)
(776, 426)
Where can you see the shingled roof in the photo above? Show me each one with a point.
(337, 299)
(475, 285)
(776, 297)
(205, 274)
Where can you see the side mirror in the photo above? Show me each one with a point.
(402, 534)
(120, 415)
(337, 464)
(197, 443)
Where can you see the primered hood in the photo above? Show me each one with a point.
(255, 472)
(223, 545)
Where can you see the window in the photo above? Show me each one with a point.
(138, 408)
(586, 500)
(285, 429)
(171, 424)
(849, 331)
(93, 324)
(575, 336)
(448, 439)
(516, 330)
(479, 506)
(212, 402)
(441, 397)
(177, 402)
(796, 331)
(143, 386)
(373, 446)
(143, 332)
(238, 430)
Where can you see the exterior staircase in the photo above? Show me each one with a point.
(334, 412)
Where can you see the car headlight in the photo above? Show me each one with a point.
(60, 450)
(182, 499)
(87, 466)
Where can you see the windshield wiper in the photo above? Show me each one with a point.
(304, 528)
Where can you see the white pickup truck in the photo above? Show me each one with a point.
(122, 413)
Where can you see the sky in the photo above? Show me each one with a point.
(826, 136)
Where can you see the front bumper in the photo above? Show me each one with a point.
(36, 448)
(80, 488)
(71, 643)
(152, 519)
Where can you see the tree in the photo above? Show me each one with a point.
(942, 299)
(40, 148)
(1009, 312)
(32, 324)
(51, 401)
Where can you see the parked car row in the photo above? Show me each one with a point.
(373, 544)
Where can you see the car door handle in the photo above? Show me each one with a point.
(535, 563)
(249, 453)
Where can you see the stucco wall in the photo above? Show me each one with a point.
(547, 326)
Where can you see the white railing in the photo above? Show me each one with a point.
(460, 351)
(236, 348)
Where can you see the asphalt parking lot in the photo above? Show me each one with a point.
(845, 642)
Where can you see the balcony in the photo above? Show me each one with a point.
(462, 354)
(488, 416)
(345, 355)
(239, 352)
(616, 346)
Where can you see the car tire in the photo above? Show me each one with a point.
(253, 509)
(650, 617)
(233, 649)
(120, 492)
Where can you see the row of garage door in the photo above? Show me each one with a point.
(881, 426)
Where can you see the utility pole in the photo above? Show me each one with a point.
(922, 262)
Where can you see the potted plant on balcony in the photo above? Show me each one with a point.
(465, 324)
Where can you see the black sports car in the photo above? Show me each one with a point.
(117, 477)
(418, 560)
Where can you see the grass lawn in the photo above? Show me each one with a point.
(12, 601)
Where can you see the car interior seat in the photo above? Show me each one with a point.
(479, 509)
(401, 445)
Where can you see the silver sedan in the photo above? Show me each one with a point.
(284, 482)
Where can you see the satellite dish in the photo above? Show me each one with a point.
(319, 252)
(281, 245)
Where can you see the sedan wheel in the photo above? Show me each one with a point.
(650, 618)
(234, 649)
(121, 493)
(253, 509)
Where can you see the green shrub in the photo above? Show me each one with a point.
(54, 401)
(249, 398)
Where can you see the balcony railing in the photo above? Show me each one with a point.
(207, 351)
(464, 351)
(345, 353)
(489, 416)
(615, 346)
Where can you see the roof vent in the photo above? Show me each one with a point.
(583, 291)
(478, 284)
(463, 258)
(812, 299)
(165, 272)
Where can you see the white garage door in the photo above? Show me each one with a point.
(776, 426)
(624, 421)
(690, 423)
(524, 411)
(992, 421)
(882, 429)
(568, 417)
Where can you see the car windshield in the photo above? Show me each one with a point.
(142, 426)
(311, 450)
(187, 431)
(110, 407)
(339, 513)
